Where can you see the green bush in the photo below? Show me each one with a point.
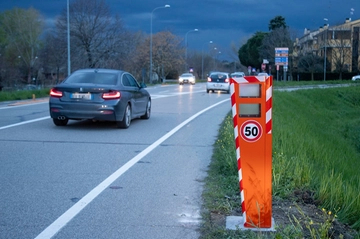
(23, 94)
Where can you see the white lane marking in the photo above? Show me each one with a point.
(43, 118)
(21, 105)
(25, 122)
(59, 223)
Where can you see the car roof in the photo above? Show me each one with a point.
(217, 72)
(103, 70)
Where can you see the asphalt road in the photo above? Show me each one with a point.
(92, 180)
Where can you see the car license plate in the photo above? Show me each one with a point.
(85, 96)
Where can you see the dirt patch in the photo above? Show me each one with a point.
(301, 211)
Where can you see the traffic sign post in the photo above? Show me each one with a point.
(281, 59)
(251, 98)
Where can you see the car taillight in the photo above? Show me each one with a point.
(209, 79)
(111, 95)
(55, 93)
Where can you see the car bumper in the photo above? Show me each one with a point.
(79, 111)
(217, 86)
(186, 81)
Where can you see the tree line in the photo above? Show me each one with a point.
(98, 39)
(306, 63)
(31, 54)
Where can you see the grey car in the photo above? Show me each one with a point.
(237, 74)
(219, 81)
(99, 94)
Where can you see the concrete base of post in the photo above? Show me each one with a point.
(237, 223)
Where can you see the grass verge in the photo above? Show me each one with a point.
(316, 149)
(23, 94)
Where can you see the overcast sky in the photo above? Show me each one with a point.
(221, 21)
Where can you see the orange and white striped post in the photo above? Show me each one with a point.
(251, 98)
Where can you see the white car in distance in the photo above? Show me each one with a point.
(355, 78)
(187, 78)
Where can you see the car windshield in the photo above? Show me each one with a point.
(219, 77)
(93, 78)
(186, 75)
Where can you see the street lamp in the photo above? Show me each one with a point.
(195, 30)
(32, 62)
(68, 38)
(202, 59)
(325, 39)
(216, 52)
(150, 73)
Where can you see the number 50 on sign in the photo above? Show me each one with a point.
(251, 131)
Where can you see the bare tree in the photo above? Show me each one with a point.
(22, 28)
(310, 62)
(233, 53)
(340, 49)
(280, 37)
(53, 57)
(167, 54)
(195, 61)
(96, 36)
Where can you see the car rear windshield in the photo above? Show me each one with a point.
(93, 78)
(218, 77)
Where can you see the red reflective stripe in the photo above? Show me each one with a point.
(56, 93)
(111, 95)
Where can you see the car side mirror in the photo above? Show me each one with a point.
(143, 85)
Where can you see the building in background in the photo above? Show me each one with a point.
(337, 45)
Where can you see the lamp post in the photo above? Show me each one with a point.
(325, 39)
(32, 63)
(150, 73)
(195, 30)
(202, 59)
(215, 54)
(68, 38)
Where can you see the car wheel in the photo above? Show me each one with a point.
(125, 122)
(148, 111)
(207, 91)
(213, 91)
(59, 122)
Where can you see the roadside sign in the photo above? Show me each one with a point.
(281, 55)
(251, 131)
(263, 66)
(251, 98)
(249, 69)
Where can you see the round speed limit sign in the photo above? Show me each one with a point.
(251, 131)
